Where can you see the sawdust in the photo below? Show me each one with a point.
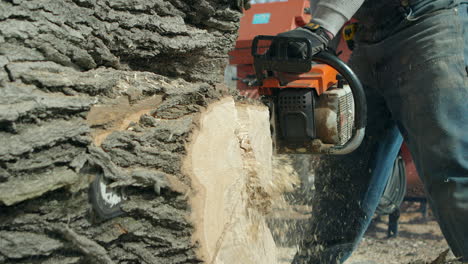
(290, 214)
(264, 198)
(420, 242)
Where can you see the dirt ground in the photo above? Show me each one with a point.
(419, 241)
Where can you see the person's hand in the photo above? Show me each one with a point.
(318, 37)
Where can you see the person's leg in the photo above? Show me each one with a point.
(348, 188)
(428, 62)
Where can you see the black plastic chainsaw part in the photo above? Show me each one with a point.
(296, 114)
(274, 56)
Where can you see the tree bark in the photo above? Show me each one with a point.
(128, 89)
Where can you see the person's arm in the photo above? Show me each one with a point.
(328, 16)
(332, 14)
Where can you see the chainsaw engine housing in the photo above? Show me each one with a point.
(305, 120)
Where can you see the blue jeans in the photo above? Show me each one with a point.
(416, 80)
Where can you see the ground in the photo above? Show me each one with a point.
(420, 241)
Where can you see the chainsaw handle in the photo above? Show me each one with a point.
(359, 96)
(276, 56)
(360, 104)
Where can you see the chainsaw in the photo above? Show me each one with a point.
(317, 104)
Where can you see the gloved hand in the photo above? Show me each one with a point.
(318, 37)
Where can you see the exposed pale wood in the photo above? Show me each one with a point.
(230, 166)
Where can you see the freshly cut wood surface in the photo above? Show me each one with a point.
(230, 166)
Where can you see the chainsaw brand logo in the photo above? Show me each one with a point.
(263, 18)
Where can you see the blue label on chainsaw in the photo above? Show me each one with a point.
(261, 18)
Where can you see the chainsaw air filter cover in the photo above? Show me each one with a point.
(296, 114)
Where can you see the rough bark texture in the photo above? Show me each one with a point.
(91, 86)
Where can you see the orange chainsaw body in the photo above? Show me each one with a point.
(320, 77)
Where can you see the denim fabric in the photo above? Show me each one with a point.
(415, 79)
(380, 19)
(429, 101)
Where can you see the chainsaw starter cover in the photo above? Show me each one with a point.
(296, 114)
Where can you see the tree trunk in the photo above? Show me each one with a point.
(127, 89)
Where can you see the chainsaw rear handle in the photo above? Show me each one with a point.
(276, 56)
(278, 60)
